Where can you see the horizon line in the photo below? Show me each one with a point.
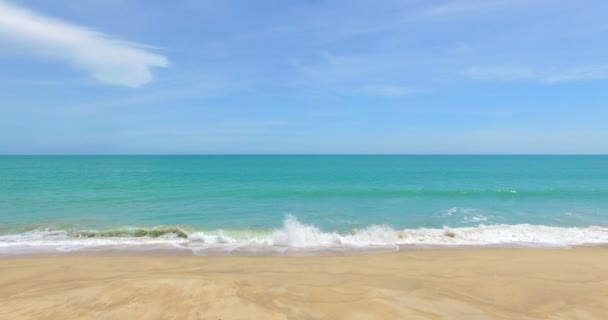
(306, 154)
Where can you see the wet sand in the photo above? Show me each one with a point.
(415, 284)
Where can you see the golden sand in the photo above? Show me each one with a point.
(417, 284)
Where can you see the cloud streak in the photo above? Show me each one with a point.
(388, 90)
(108, 60)
(548, 76)
(468, 7)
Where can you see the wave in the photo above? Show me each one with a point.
(156, 232)
(406, 193)
(295, 236)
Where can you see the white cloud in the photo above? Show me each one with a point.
(549, 76)
(109, 60)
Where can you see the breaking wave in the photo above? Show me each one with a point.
(295, 237)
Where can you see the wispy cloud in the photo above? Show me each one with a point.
(499, 73)
(388, 90)
(595, 72)
(549, 76)
(356, 74)
(466, 7)
(109, 60)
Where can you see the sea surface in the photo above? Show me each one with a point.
(208, 205)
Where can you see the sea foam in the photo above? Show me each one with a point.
(295, 236)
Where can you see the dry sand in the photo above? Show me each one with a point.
(417, 284)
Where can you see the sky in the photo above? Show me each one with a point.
(299, 77)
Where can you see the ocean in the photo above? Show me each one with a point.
(299, 204)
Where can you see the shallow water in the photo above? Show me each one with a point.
(270, 203)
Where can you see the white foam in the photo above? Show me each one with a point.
(294, 235)
(468, 215)
(49, 240)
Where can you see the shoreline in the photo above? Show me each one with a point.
(294, 238)
(274, 252)
(446, 283)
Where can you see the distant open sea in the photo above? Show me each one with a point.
(298, 204)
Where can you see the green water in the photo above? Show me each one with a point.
(331, 192)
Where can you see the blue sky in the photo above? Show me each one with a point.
(197, 77)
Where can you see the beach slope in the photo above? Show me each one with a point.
(416, 284)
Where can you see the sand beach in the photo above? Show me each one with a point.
(496, 283)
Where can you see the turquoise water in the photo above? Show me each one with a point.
(253, 195)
